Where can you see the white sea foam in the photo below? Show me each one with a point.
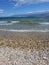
(15, 21)
(8, 23)
(3, 21)
(44, 23)
(25, 30)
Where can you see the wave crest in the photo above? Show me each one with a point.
(25, 30)
(8, 22)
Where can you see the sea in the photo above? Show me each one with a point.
(24, 24)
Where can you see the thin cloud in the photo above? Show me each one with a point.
(34, 12)
(1, 11)
(23, 2)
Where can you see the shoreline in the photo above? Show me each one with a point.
(25, 40)
(27, 31)
(8, 33)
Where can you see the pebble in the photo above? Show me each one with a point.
(10, 56)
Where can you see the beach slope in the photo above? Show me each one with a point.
(24, 48)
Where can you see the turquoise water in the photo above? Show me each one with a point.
(20, 23)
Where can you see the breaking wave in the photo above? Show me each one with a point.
(8, 22)
(44, 23)
(24, 30)
(14, 22)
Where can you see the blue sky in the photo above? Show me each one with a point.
(12, 7)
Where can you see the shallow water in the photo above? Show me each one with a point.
(19, 24)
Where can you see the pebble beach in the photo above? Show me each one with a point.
(24, 48)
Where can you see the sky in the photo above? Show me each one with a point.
(15, 7)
